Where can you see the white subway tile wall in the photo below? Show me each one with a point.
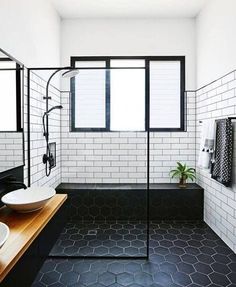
(37, 141)
(120, 157)
(11, 146)
(218, 100)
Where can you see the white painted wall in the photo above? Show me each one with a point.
(143, 37)
(216, 41)
(30, 31)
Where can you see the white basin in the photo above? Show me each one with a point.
(4, 233)
(27, 200)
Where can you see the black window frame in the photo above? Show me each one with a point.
(147, 60)
(18, 69)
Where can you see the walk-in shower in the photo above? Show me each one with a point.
(107, 206)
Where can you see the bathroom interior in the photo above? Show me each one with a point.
(117, 143)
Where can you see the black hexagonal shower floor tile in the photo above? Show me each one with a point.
(175, 260)
(114, 238)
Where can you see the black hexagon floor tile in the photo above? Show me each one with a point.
(176, 259)
(114, 238)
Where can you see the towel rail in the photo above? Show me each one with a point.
(230, 118)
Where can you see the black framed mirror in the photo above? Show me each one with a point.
(11, 112)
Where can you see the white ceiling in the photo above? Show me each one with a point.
(70, 9)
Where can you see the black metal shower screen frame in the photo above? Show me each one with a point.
(29, 70)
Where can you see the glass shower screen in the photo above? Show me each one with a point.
(108, 120)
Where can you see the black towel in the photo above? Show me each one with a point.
(222, 165)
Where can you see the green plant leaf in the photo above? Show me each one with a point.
(191, 170)
(192, 179)
(176, 174)
(180, 165)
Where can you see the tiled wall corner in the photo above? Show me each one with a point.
(37, 141)
(218, 100)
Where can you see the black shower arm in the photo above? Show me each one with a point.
(46, 133)
(52, 75)
(47, 98)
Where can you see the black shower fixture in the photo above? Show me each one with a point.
(53, 108)
(48, 157)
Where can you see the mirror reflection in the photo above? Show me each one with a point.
(11, 112)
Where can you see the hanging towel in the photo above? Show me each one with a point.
(222, 164)
(206, 144)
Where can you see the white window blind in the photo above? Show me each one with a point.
(137, 63)
(90, 95)
(165, 95)
(127, 96)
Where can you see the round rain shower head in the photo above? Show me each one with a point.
(71, 73)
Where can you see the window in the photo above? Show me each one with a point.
(127, 95)
(165, 96)
(90, 101)
(112, 94)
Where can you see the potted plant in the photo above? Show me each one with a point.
(183, 172)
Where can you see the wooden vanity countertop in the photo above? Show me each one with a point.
(24, 228)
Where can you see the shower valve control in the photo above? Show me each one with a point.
(49, 159)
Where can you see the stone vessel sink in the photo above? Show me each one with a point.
(28, 200)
